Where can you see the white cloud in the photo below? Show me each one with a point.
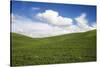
(83, 23)
(52, 17)
(51, 24)
(34, 29)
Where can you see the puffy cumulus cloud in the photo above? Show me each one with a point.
(50, 24)
(26, 26)
(52, 17)
(83, 23)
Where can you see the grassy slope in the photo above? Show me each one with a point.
(77, 47)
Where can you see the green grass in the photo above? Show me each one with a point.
(69, 48)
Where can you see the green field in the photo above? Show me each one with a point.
(69, 48)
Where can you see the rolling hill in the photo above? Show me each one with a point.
(69, 48)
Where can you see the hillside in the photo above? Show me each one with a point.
(75, 47)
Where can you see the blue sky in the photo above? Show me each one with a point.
(69, 10)
(30, 10)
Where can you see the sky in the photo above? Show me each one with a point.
(38, 20)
